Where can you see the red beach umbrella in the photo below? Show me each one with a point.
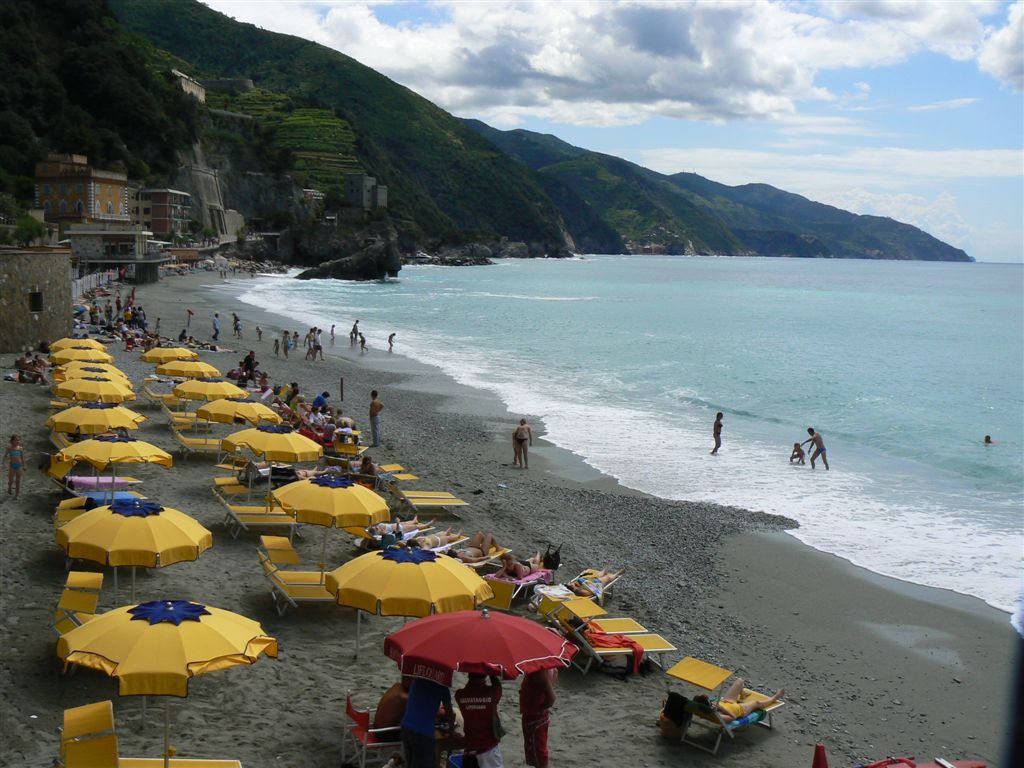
(435, 647)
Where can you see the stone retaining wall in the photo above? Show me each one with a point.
(34, 275)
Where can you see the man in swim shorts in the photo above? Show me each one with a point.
(819, 447)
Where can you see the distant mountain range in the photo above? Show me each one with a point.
(319, 113)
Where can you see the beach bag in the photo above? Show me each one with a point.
(553, 557)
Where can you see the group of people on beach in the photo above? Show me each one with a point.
(798, 455)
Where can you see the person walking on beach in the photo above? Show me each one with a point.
(376, 406)
(277, 347)
(717, 432)
(391, 343)
(353, 335)
(15, 458)
(818, 451)
(536, 697)
(236, 325)
(216, 326)
(295, 339)
(285, 341)
(259, 333)
(362, 344)
(522, 438)
(332, 334)
(318, 343)
(478, 703)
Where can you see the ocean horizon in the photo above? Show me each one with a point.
(903, 367)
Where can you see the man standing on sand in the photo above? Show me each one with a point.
(819, 447)
(376, 406)
(522, 437)
(717, 431)
(391, 342)
(536, 697)
(216, 326)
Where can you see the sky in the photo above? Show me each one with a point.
(912, 110)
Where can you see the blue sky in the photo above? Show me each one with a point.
(906, 109)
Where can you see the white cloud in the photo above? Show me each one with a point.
(1002, 54)
(598, 63)
(948, 104)
(939, 216)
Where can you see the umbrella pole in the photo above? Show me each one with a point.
(133, 585)
(358, 617)
(115, 586)
(323, 554)
(144, 712)
(167, 732)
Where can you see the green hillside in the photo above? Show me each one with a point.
(441, 175)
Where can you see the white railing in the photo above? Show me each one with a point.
(94, 280)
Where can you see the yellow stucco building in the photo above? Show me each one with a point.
(70, 191)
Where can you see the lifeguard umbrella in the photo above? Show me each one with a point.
(94, 418)
(70, 354)
(274, 443)
(155, 648)
(67, 341)
(134, 532)
(80, 369)
(333, 502)
(208, 388)
(406, 582)
(481, 642)
(229, 409)
(98, 389)
(190, 369)
(164, 354)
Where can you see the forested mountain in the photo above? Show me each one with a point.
(92, 77)
(647, 208)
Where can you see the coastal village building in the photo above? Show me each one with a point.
(362, 191)
(165, 212)
(35, 296)
(124, 247)
(70, 191)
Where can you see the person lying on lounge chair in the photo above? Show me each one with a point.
(403, 525)
(592, 585)
(433, 540)
(519, 569)
(730, 707)
(478, 550)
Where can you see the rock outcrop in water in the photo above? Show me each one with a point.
(375, 257)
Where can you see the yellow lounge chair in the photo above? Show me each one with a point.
(74, 608)
(190, 445)
(654, 647)
(279, 550)
(60, 440)
(243, 517)
(87, 721)
(102, 752)
(504, 593)
(711, 677)
(289, 588)
(585, 610)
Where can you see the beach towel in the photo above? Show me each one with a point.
(603, 640)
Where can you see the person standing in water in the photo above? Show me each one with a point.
(717, 432)
(819, 447)
(391, 342)
(522, 438)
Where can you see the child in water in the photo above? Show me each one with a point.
(797, 454)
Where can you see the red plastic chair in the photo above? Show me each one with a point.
(372, 746)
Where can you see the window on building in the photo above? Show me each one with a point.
(63, 206)
(63, 188)
(110, 189)
(110, 207)
(35, 301)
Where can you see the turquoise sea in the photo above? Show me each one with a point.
(903, 367)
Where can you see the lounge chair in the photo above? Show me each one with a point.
(504, 592)
(523, 587)
(371, 745)
(60, 440)
(74, 608)
(590, 572)
(189, 445)
(279, 550)
(415, 500)
(102, 752)
(243, 517)
(578, 611)
(86, 722)
(653, 645)
(289, 588)
(711, 677)
(493, 557)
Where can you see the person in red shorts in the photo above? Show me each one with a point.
(536, 697)
(478, 703)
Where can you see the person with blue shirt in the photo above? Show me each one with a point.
(321, 400)
(419, 723)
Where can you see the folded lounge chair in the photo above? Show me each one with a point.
(710, 677)
(371, 745)
(102, 752)
(74, 608)
(289, 588)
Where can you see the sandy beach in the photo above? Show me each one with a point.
(872, 667)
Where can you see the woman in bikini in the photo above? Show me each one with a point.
(730, 707)
(478, 550)
(593, 584)
(522, 437)
(519, 570)
(434, 540)
(15, 456)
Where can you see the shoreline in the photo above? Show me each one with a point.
(721, 583)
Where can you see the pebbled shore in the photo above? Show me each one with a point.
(871, 666)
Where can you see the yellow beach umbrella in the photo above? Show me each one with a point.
(66, 342)
(229, 409)
(80, 369)
(80, 353)
(166, 354)
(192, 369)
(333, 502)
(155, 648)
(134, 532)
(103, 450)
(94, 419)
(208, 388)
(97, 389)
(274, 443)
(406, 582)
